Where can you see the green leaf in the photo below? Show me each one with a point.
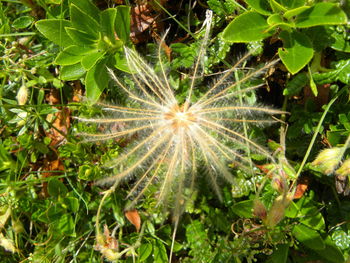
(54, 30)
(296, 84)
(71, 203)
(250, 26)
(308, 237)
(290, 4)
(260, 6)
(121, 63)
(321, 14)
(107, 23)
(88, 7)
(56, 188)
(122, 23)
(279, 254)
(80, 38)
(71, 55)
(159, 252)
(341, 73)
(294, 12)
(91, 59)
(277, 20)
(331, 252)
(340, 41)
(297, 50)
(65, 225)
(72, 72)
(96, 81)
(22, 22)
(83, 22)
(243, 209)
(145, 251)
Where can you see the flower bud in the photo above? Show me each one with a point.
(259, 209)
(279, 184)
(328, 159)
(344, 169)
(22, 95)
(276, 213)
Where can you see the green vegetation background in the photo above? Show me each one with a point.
(48, 203)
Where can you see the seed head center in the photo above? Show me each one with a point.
(180, 117)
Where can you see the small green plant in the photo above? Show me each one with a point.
(295, 23)
(92, 40)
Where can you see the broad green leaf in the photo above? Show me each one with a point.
(96, 81)
(72, 72)
(279, 254)
(321, 14)
(250, 26)
(297, 51)
(56, 188)
(22, 22)
(145, 251)
(260, 6)
(341, 238)
(71, 55)
(277, 20)
(80, 38)
(91, 59)
(319, 36)
(83, 22)
(54, 30)
(277, 7)
(290, 4)
(243, 209)
(122, 23)
(294, 12)
(88, 7)
(308, 237)
(107, 23)
(331, 252)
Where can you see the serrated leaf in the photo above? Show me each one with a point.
(244, 208)
(297, 51)
(80, 38)
(54, 30)
(72, 72)
(159, 252)
(71, 55)
(308, 237)
(91, 59)
(96, 81)
(321, 14)
(122, 23)
(260, 6)
(83, 22)
(341, 73)
(250, 26)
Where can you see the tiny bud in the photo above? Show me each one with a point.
(22, 95)
(279, 184)
(259, 209)
(276, 213)
(328, 159)
(344, 169)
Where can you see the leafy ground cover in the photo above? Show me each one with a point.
(271, 187)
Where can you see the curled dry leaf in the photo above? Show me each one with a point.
(302, 186)
(134, 218)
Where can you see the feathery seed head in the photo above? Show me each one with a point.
(173, 138)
